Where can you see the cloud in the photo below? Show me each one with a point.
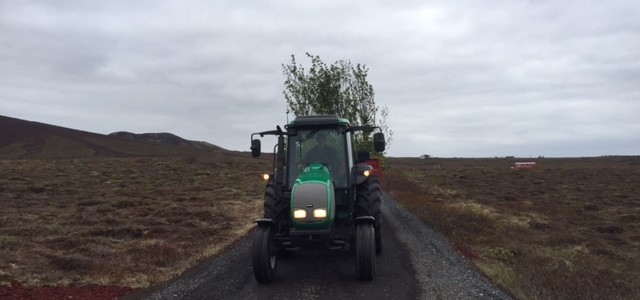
(460, 78)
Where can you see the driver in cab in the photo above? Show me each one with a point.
(321, 153)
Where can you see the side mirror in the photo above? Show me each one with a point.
(255, 148)
(378, 142)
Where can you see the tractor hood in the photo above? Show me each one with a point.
(312, 199)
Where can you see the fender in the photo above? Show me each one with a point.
(266, 222)
(365, 219)
(359, 172)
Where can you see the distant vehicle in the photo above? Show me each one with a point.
(525, 165)
(321, 195)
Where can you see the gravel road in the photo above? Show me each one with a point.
(416, 263)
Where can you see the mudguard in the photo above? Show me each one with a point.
(365, 219)
(265, 222)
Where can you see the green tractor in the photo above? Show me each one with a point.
(320, 195)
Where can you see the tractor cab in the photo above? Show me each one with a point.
(327, 147)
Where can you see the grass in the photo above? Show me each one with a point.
(122, 221)
(568, 229)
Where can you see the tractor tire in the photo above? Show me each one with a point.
(274, 208)
(263, 254)
(365, 251)
(368, 204)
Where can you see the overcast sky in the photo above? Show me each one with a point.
(460, 78)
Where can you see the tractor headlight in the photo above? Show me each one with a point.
(320, 213)
(366, 173)
(299, 214)
(265, 177)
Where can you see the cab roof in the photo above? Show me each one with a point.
(318, 120)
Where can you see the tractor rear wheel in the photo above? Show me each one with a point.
(365, 251)
(368, 204)
(264, 254)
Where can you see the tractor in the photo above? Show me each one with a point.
(320, 196)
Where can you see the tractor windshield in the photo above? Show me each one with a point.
(326, 146)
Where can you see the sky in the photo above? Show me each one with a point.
(460, 78)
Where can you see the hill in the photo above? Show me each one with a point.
(21, 139)
(164, 138)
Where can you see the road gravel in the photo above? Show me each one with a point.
(416, 263)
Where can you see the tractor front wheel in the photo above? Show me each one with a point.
(368, 204)
(275, 208)
(365, 251)
(264, 254)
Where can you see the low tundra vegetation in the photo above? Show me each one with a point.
(122, 221)
(568, 229)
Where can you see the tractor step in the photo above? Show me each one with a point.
(332, 245)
